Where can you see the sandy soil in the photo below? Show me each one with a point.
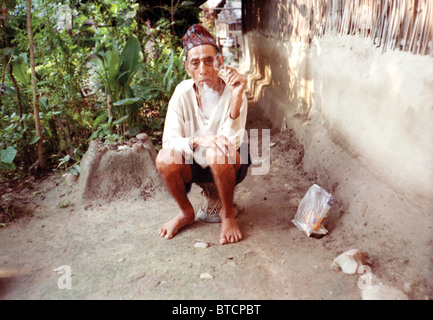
(114, 251)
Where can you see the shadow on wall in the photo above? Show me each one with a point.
(280, 76)
(258, 77)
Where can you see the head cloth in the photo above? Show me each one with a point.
(197, 35)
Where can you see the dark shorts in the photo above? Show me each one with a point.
(200, 175)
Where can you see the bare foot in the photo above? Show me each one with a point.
(230, 231)
(169, 229)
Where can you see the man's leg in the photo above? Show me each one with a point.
(175, 173)
(224, 175)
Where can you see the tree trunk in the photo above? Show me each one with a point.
(110, 111)
(41, 158)
(17, 89)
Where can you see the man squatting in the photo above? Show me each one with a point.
(203, 132)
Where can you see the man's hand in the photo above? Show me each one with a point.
(235, 81)
(218, 143)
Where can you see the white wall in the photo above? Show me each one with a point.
(376, 108)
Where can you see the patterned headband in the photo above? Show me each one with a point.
(197, 36)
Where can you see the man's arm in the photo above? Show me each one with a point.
(236, 83)
(174, 128)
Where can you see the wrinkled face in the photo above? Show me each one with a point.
(202, 65)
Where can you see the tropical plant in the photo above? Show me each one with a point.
(179, 14)
(117, 69)
(15, 133)
(162, 71)
(131, 48)
(7, 157)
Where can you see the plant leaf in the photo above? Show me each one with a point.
(126, 101)
(34, 139)
(99, 120)
(130, 60)
(19, 69)
(121, 120)
(8, 155)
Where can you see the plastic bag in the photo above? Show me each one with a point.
(312, 209)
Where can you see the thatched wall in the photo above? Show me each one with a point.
(391, 24)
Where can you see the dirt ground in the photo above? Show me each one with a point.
(113, 250)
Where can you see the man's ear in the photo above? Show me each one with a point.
(220, 60)
(185, 64)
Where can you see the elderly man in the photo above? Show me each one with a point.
(203, 133)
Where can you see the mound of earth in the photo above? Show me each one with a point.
(115, 171)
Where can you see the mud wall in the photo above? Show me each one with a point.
(357, 89)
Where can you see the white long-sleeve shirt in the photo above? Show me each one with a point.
(185, 119)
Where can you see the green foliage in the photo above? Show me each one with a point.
(103, 129)
(179, 14)
(161, 73)
(14, 134)
(162, 76)
(117, 70)
(7, 157)
(73, 167)
(106, 74)
(20, 66)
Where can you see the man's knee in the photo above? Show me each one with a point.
(221, 163)
(170, 163)
(166, 158)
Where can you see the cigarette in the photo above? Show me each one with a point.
(225, 71)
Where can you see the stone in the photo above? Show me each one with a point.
(383, 292)
(142, 136)
(71, 178)
(349, 261)
(202, 245)
(206, 276)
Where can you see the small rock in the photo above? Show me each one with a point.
(383, 292)
(349, 261)
(407, 287)
(202, 245)
(248, 251)
(71, 178)
(231, 263)
(288, 187)
(206, 276)
(142, 136)
(136, 147)
(60, 269)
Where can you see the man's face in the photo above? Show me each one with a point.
(202, 65)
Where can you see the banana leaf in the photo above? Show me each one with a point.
(113, 69)
(126, 101)
(130, 61)
(19, 69)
